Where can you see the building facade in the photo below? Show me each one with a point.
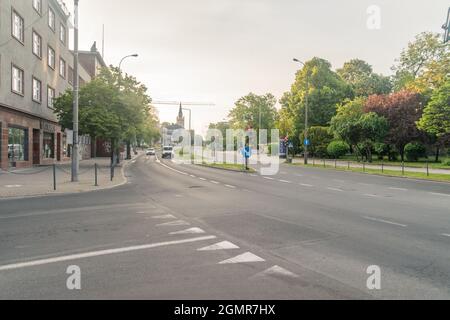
(36, 66)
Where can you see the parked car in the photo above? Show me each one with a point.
(150, 152)
(167, 152)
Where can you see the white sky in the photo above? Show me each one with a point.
(219, 50)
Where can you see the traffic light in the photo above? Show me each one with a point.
(446, 28)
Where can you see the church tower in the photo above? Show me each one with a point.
(180, 118)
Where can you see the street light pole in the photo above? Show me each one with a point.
(120, 85)
(305, 143)
(75, 154)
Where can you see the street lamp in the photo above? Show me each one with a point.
(306, 142)
(120, 84)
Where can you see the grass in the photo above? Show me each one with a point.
(228, 166)
(389, 173)
(422, 163)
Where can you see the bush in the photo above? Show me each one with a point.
(337, 149)
(414, 151)
(381, 150)
(447, 163)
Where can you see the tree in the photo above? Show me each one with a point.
(360, 130)
(246, 112)
(436, 117)
(402, 110)
(359, 75)
(222, 127)
(424, 65)
(337, 149)
(323, 89)
(320, 138)
(111, 106)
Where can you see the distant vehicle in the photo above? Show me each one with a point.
(150, 152)
(167, 152)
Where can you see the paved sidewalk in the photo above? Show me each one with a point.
(341, 163)
(39, 180)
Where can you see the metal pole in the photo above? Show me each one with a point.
(382, 167)
(306, 120)
(54, 177)
(96, 179)
(428, 169)
(75, 160)
(403, 168)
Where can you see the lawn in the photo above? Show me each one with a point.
(422, 163)
(228, 166)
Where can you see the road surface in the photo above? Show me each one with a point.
(190, 232)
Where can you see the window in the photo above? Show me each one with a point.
(17, 144)
(51, 58)
(62, 68)
(49, 145)
(18, 26)
(51, 19)
(37, 5)
(37, 44)
(37, 90)
(70, 75)
(17, 80)
(62, 34)
(50, 97)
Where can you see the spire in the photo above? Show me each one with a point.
(180, 112)
(180, 118)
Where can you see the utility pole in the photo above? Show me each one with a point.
(306, 142)
(76, 82)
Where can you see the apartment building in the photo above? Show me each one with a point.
(36, 66)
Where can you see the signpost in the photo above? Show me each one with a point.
(246, 153)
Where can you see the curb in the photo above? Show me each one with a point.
(226, 169)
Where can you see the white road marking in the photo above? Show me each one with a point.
(445, 234)
(192, 176)
(371, 195)
(440, 194)
(243, 258)
(268, 178)
(230, 186)
(335, 189)
(224, 245)
(278, 271)
(215, 182)
(306, 185)
(100, 253)
(386, 221)
(174, 223)
(203, 179)
(189, 231)
(285, 181)
(166, 216)
(13, 186)
(253, 175)
(399, 189)
(170, 168)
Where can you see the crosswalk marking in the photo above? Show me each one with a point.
(243, 258)
(224, 245)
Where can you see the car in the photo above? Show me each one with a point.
(150, 152)
(167, 152)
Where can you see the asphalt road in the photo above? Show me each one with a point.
(302, 234)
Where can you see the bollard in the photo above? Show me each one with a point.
(382, 167)
(403, 168)
(335, 163)
(54, 177)
(428, 169)
(96, 179)
(112, 173)
(364, 166)
(348, 165)
(324, 164)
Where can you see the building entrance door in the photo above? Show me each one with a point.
(36, 147)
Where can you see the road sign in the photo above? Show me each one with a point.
(307, 142)
(246, 152)
(291, 145)
(446, 27)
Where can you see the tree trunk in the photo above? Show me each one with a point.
(112, 152)
(438, 151)
(128, 149)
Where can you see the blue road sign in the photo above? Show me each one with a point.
(246, 152)
(306, 142)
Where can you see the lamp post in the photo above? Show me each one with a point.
(306, 114)
(120, 85)
(76, 84)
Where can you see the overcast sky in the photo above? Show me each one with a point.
(219, 50)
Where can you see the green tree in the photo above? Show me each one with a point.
(424, 65)
(322, 88)
(363, 80)
(320, 138)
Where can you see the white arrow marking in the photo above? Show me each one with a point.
(189, 231)
(174, 223)
(224, 245)
(166, 216)
(278, 271)
(243, 258)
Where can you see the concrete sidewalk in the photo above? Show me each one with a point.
(39, 180)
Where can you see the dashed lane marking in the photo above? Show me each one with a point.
(445, 235)
(371, 195)
(224, 245)
(268, 178)
(203, 179)
(284, 181)
(189, 231)
(215, 182)
(243, 258)
(440, 194)
(166, 216)
(386, 221)
(398, 189)
(335, 189)
(306, 185)
(230, 186)
(100, 253)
